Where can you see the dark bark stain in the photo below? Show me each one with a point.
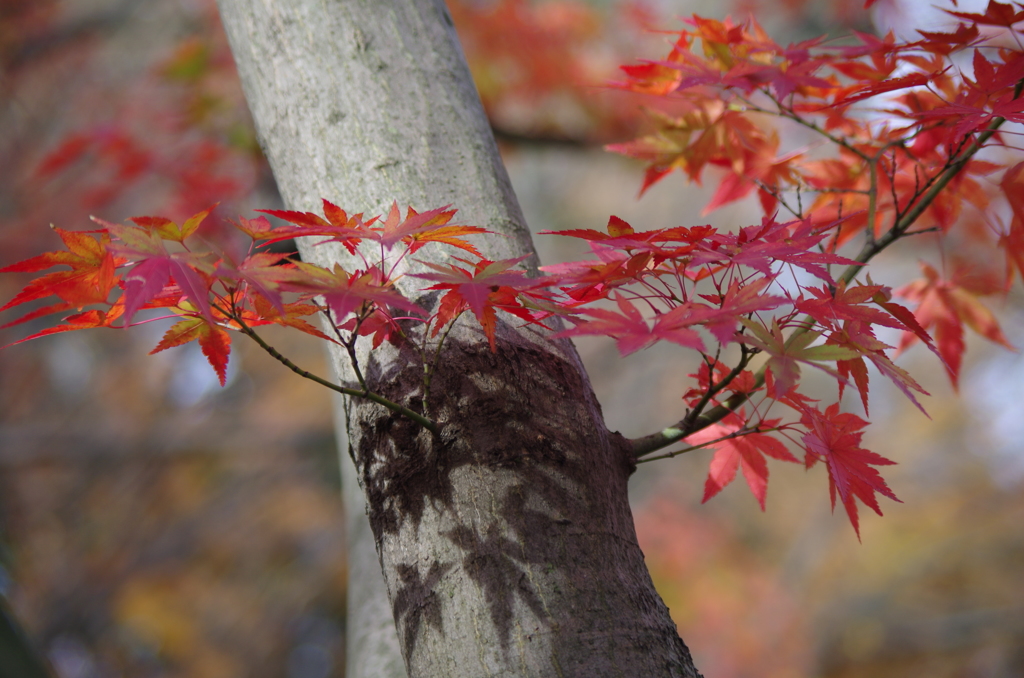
(491, 563)
(524, 422)
(524, 409)
(416, 601)
(408, 474)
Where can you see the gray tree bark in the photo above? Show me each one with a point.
(506, 541)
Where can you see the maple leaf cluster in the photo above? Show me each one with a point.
(155, 265)
(915, 130)
(712, 291)
(757, 305)
(652, 278)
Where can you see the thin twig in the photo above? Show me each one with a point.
(667, 436)
(729, 436)
(430, 369)
(356, 393)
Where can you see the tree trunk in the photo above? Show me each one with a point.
(506, 541)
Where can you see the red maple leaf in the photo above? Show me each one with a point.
(419, 229)
(345, 292)
(746, 451)
(1012, 241)
(264, 273)
(905, 316)
(633, 332)
(80, 321)
(710, 133)
(947, 305)
(859, 337)
(395, 229)
(341, 227)
(257, 229)
(760, 247)
(625, 255)
(651, 78)
(945, 43)
(830, 308)
(739, 300)
(970, 117)
(888, 85)
(381, 326)
(620, 235)
(996, 14)
(153, 267)
(589, 280)
(481, 290)
(744, 382)
(834, 438)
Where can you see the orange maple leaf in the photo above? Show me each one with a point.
(214, 341)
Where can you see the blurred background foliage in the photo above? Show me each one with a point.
(153, 524)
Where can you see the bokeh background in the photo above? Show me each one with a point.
(155, 524)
